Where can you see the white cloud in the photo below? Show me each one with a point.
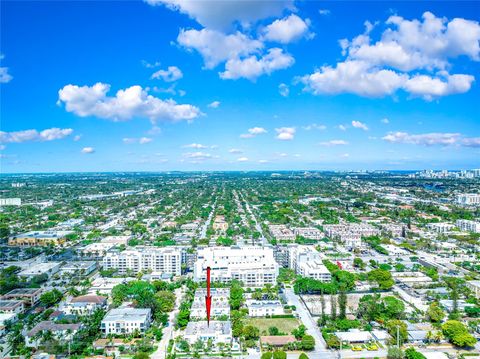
(345, 155)
(334, 143)
(314, 126)
(415, 44)
(286, 30)
(221, 14)
(252, 67)
(263, 161)
(324, 12)
(358, 78)
(254, 131)
(353, 77)
(342, 127)
(429, 88)
(378, 69)
(171, 74)
(284, 90)
(426, 139)
(4, 75)
(214, 104)
(49, 134)
(471, 142)
(150, 65)
(141, 140)
(385, 121)
(87, 150)
(155, 130)
(358, 124)
(216, 47)
(235, 150)
(126, 104)
(2, 147)
(198, 156)
(129, 140)
(77, 138)
(144, 140)
(285, 133)
(195, 145)
(242, 159)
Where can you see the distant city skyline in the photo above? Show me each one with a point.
(210, 86)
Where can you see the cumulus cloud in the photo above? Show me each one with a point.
(171, 74)
(426, 139)
(131, 102)
(214, 104)
(471, 142)
(353, 77)
(216, 47)
(429, 88)
(378, 69)
(198, 156)
(49, 134)
(385, 121)
(284, 90)
(286, 30)
(221, 14)
(254, 131)
(418, 44)
(252, 67)
(333, 143)
(242, 159)
(285, 133)
(141, 140)
(314, 126)
(87, 150)
(358, 124)
(195, 145)
(4, 75)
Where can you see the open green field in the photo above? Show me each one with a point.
(285, 325)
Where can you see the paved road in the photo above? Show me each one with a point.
(203, 232)
(168, 332)
(307, 320)
(258, 227)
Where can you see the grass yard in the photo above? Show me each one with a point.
(285, 325)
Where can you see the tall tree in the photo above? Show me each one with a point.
(333, 307)
(342, 303)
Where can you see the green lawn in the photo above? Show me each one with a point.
(285, 325)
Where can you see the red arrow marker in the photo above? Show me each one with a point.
(208, 297)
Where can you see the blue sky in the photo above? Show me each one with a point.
(206, 85)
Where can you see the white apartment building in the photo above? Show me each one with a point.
(217, 331)
(84, 304)
(468, 226)
(440, 227)
(308, 232)
(220, 303)
(474, 286)
(126, 320)
(140, 259)
(281, 232)
(469, 199)
(10, 201)
(307, 262)
(350, 234)
(263, 308)
(253, 266)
